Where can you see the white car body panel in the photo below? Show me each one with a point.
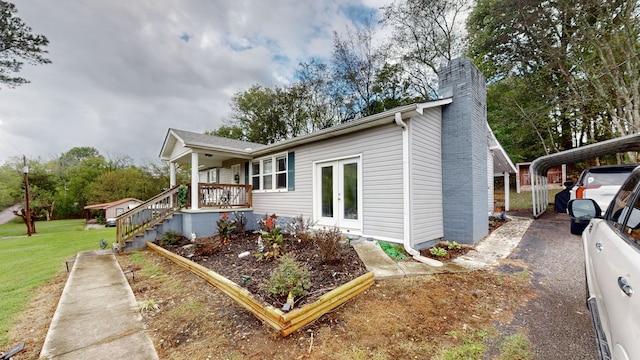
(619, 313)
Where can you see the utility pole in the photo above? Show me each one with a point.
(25, 170)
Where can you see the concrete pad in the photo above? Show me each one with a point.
(377, 261)
(96, 316)
(487, 253)
(410, 268)
(498, 245)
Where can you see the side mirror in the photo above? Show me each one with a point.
(584, 209)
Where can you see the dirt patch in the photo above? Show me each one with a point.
(33, 324)
(402, 318)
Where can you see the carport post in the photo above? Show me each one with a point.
(506, 191)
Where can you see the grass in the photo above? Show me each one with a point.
(27, 263)
(472, 346)
(515, 347)
(522, 201)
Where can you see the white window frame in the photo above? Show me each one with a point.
(272, 173)
(212, 176)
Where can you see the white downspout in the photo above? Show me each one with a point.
(406, 197)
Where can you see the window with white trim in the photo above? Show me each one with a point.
(270, 173)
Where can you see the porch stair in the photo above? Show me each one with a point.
(146, 220)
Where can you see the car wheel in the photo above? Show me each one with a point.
(577, 229)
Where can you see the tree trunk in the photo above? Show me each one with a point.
(30, 226)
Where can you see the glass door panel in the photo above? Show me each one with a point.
(326, 195)
(350, 191)
(338, 194)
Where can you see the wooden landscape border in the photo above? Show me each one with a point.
(285, 323)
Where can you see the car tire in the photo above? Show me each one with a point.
(577, 229)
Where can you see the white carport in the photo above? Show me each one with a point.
(539, 167)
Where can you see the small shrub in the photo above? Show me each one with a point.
(170, 237)
(328, 241)
(452, 245)
(301, 229)
(438, 251)
(225, 227)
(271, 245)
(240, 221)
(268, 223)
(392, 250)
(183, 196)
(290, 276)
(207, 246)
(271, 242)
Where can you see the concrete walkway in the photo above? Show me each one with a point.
(96, 316)
(487, 253)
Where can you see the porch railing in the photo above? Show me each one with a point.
(146, 215)
(224, 195)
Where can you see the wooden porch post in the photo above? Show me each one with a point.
(195, 196)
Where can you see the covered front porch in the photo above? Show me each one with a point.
(219, 174)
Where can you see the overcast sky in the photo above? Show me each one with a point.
(124, 71)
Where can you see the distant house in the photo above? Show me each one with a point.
(413, 175)
(112, 209)
(556, 175)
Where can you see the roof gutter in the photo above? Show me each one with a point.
(406, 197)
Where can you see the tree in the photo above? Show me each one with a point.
(228, 131)
(610, 44)
(582, 56)
(318, 95)
(120, 184)
(11, 181)
(426, 35)
(355, 64)
(258, 113)
(73, 195)
(17, 46)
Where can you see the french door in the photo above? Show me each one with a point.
(338, 189)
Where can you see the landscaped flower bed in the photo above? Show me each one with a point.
(242, 265)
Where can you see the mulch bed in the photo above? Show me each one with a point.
(494, 223)
(250, 273)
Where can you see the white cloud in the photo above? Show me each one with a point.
(123, 72)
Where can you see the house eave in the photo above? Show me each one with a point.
(383, 118)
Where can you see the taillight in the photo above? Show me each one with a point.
(581, 189)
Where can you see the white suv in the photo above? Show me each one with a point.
(612, 266)
(599, 183)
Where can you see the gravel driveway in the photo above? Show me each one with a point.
(557, 319)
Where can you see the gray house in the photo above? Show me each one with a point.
(413, 175)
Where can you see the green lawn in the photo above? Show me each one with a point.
(27, 263)
(522, 201)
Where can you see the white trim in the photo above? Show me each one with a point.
(195, 177)
(273, 172)
(317, 195)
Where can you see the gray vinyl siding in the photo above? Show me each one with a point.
(426, 177)
(381, 151)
